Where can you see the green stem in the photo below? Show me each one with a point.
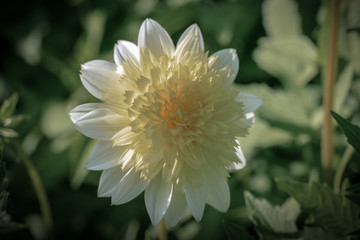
(341, 168)
(328, 94)
(39, 189)
(162, 230)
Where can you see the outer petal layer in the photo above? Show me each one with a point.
(108, 180)
(196, 31)
(227, 58)
(250, 101)
(190, 41)
(97, 76)
(217, 192)
(195, 198)
(96, 121)
(129, 187)
(157, 199)
(177, 207)
(105, 156)
(155, 38)
(126, 51)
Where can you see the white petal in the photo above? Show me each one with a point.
(191, 41)
(155, 38)
(242, 161)
(195, 198)
(108, 180)
(99, 123)
(157, 199)
(83, 109)
(251, 102)
(218, 193)
(193, 30)
(177, 207)
(97, 76)
(126, 51)
(227, 58)
(105, 156)
(129, 187)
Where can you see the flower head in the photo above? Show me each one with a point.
(167, 124)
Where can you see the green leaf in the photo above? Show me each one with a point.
(291, 59)
(6, 227)
(3, 187)
(55, 120)
(342, 87)
(351, 131)
(14, 120)
(354, 197)
(8, 133)
(2, 172)
(235, 231)
(88, 46)
(323, 32)
(278, 219)
(298, 104)
(281, 18)
(354, 194)
(353, 34)
(332, 211)
(354, 188)
(8, 106)
(3, 200)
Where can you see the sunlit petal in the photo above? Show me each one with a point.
(157, 199)
(97, 76)
(227, 60)
(154, 37)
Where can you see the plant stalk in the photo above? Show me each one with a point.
(328, 94)
(39, 190)
(162, 230)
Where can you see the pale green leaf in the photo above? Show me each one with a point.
(353, 36)
(332, 211)
(279, 219)
(88, 45)
(290, 59)
(261, 134)
(323, 31)
(291, 108)
(55, 120)
(342, 87)
(12, 121)
(8, 133)
(281, 18)
(8, 106)
(354, 45)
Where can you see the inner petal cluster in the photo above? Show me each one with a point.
(182, 115)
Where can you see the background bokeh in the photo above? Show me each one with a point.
(43, 44)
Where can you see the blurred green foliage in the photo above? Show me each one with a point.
(282, 50)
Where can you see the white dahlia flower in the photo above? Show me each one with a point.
(167, 124)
